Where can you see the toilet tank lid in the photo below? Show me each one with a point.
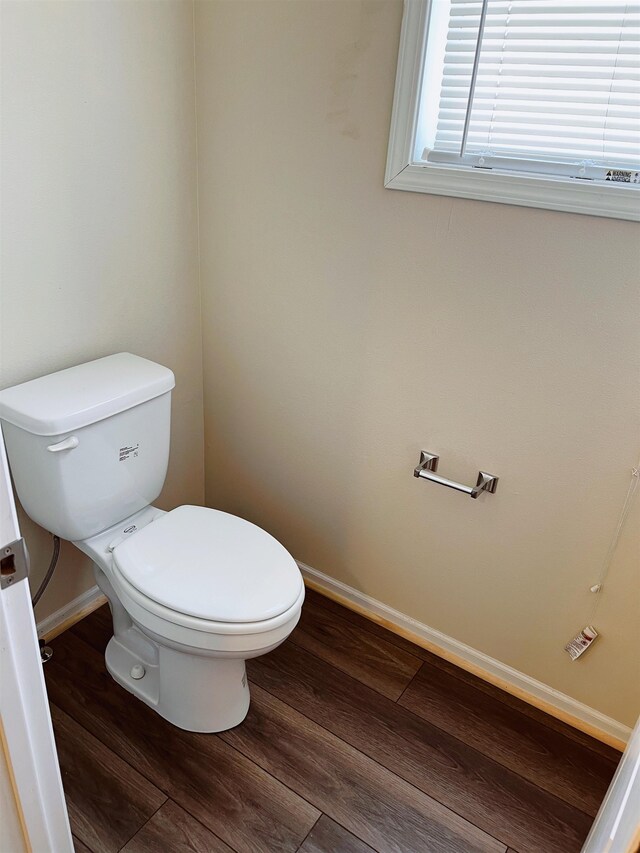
(85, 394)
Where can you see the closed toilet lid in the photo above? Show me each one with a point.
(211, 565)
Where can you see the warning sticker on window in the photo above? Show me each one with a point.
(623, 177)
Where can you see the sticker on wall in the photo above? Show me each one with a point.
(581, 643)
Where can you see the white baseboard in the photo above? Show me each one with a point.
(489, 669)
(71, 613)
(517, 683)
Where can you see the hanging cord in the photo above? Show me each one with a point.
(624, 514)
(52, 565)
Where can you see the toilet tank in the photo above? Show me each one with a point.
(89, 446)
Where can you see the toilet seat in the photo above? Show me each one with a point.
(149, 611)
(208, 571)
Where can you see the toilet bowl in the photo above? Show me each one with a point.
(193, 592)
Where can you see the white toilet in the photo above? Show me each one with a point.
(193, 592)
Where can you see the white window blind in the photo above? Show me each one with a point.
(544, 86)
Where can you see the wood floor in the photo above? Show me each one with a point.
(356, 740)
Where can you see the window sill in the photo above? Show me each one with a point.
(619, 202)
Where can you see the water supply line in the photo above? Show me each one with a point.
(46, 652)
(52, 565)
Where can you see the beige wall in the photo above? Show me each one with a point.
(99, 234)
(347, 326)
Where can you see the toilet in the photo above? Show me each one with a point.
(193, 592)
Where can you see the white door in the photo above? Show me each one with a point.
(617, 825)
(34, 814)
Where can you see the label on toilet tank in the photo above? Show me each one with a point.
(127, 452)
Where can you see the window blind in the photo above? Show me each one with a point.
(549, 86)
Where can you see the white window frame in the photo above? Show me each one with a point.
(617, 201)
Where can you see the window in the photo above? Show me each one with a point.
(531, 102)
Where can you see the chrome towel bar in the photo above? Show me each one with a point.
(428, 465)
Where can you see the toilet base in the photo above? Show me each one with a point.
(195, 692)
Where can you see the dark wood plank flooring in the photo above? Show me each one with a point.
(95, 781)
(173, 829)
(328, 835)
(356, 741)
